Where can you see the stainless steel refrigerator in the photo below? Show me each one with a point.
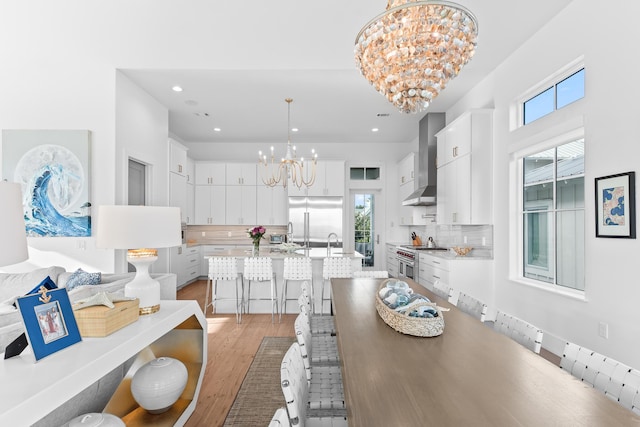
(314, 218)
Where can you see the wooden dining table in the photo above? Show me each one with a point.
(468, 376)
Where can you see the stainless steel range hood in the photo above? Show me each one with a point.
(425, 195)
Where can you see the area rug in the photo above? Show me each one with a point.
(260, 393)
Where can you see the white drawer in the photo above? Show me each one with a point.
(433, 261)
(432, 274)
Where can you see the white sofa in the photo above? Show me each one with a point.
(14, 285)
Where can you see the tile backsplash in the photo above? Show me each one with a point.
(480, 237)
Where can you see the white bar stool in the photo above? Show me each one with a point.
(333, 268)
(260, 269)
(295, 268)
(226, 269)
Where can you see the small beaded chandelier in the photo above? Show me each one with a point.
(410, 52)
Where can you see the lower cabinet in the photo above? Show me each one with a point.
(468, 275)
(185, 263)
(392, 261)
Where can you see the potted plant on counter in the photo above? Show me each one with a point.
(256, 233)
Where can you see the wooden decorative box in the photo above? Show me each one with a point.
(100, 320)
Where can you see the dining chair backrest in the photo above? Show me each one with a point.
(294, 384)
(336, 267)
(520, 331)
(593, 367)
(258, 268)
(582, 361)
(280, 418)
(376, 274)
(223, 268)
(603, 377)
(441, 289)
(471, 306)
(569, 356)
(297, 268)
(304, 303)
(303, 337)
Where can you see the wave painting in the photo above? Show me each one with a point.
(53, 179)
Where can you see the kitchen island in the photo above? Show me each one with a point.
(226, 290)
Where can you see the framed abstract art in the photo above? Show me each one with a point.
(616, 206)
(52, 167)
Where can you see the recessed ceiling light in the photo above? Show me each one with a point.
(217, 129)
(294, 129)
(375, 130)
(383, 114)
(201, 114)
(177, 89)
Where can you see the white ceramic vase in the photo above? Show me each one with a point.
(96, 419)
(159, 383)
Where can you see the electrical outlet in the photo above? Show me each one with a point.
(465, 239)
(228, 234)
(484, 241)
(603, 330)
(204, 234)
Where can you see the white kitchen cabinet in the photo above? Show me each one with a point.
(465, 169)
(191, 208)
(241, 205)
(177, 158)
(178, 193)
(407, 169)
(177, 262)
(464, 274)
(191, 171)
(210, 173)
(210, 204)
(392, 260)
(241, 174)
(271, 205)
(329, 180)
(191, 264)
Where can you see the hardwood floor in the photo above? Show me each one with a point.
(231, 350)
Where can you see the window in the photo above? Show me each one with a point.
(552, 98)
(367, 174)
(363, 227)
(553, 215)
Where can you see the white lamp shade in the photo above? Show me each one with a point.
(135, 227)
(13, 235)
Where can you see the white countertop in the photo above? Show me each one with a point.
(314, 253)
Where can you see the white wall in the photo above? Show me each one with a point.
(609, 112)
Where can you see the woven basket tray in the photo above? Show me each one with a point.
(416, 326)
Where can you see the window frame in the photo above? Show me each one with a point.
(517, 262)
(550, 82)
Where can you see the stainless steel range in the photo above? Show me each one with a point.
(407, 262)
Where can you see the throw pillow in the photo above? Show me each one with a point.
(47, 283)
(81, 277)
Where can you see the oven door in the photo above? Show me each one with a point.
(405, 268)
(408, 271)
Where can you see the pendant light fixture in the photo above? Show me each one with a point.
(411, 51)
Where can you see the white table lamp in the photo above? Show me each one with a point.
(138, 228)
(13, 235)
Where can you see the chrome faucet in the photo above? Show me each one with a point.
(329, 242)
(289, 232)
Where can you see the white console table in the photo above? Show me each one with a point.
(29, 391)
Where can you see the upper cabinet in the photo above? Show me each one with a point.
(177, 158)
(241, 174)
(465, 169)
(272, 205)
(407, 170)
(210, 173)
(329, 180)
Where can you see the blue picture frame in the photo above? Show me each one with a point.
(49, 321)
(616, 206)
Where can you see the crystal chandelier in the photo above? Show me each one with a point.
(412, 50)
(289, 168)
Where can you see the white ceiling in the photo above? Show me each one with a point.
(333, 104)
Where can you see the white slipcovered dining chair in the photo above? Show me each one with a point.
(295, 388)
(320, 324)
(441, 289)
(260, 269)
(296, 269)
(333, 268)
(223, 269)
